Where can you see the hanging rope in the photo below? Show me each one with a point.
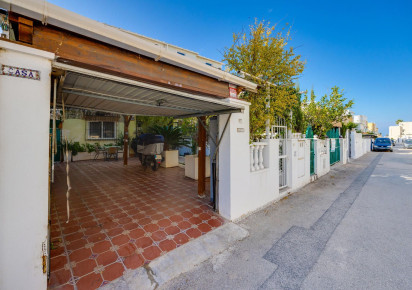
(67, 169)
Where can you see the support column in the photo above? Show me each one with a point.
(201, 140)
(24, 167)
(126, 139)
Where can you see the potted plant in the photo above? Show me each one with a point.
(173, 139)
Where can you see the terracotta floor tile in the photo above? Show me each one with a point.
(183, 225)
(143, 242)
(113, 271)
(214, 223)
(96, 238)
(130, 226)
(193, 233)
(126, 250)
(164, 223)
(120, 240)
(181, 239)
(172, 230)
(78, 244)
(80, 255)
(57, 263)
(137, 233)
(151, 228)
(56, 250)
(151, 253)
(106, 258)
(187, 214)
(131, 208)
(84, 267)
(204, 228)
(92, 231)
(64, 287)
(91, 281)
(195, 220)
(134, 261)
(101, 247)
(73, 237)
(114, 232)
(158, 236)
(167, 245)
(59, 277)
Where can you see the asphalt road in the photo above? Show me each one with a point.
(351, 229)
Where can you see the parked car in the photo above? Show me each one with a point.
(382, 144)
(407, 144)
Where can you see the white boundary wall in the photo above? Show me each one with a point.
(359, 146)
(299, 163)
(322, 157)
(24, 155)
(244, 187)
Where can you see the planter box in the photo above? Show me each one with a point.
(88, 156)
(191, 166)
(171, 158)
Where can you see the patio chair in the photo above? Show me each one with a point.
(111, 152)
(97, 152)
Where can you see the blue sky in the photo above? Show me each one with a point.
(364, 47)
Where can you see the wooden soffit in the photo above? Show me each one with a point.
(77, 50)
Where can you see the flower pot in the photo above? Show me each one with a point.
(171, 158)
(191, 166)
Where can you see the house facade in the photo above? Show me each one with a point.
(54, 59)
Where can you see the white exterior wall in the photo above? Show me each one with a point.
(356, 145)
(264, 184)
(299, 168)
(234, 164)
(322, 157)
(24, 151)
(242, 191)
(394, 132)
(344, 150)
(406, 129)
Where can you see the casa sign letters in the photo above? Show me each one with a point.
(20, 72)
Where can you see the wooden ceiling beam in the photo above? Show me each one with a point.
(80, 51)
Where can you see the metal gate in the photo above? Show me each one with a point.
(333, 135)
(280, 131)
(309, 135)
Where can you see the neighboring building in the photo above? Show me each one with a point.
(362, 122)
(402, 131)
(394, 132)
(372, 128)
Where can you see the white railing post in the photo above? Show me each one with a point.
(252, 161)
(260, 148)
(256, 157)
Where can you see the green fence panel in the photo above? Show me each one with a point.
(333, 135)
(309, 134)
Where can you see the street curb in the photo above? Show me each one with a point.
(180, 260)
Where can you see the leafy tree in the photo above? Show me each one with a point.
(298, 122)
(348, 126)
(398, 121)
(322, 115)
(262, 54)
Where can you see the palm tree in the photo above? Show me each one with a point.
(398, 121)
(173, 136)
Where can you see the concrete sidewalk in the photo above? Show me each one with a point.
(342, 231)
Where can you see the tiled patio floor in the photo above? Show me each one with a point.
(121, 218)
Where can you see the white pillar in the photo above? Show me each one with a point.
(234, 163)
(24, 151)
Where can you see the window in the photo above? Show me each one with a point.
(209, 64)
(181, 53)
(101, 130)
